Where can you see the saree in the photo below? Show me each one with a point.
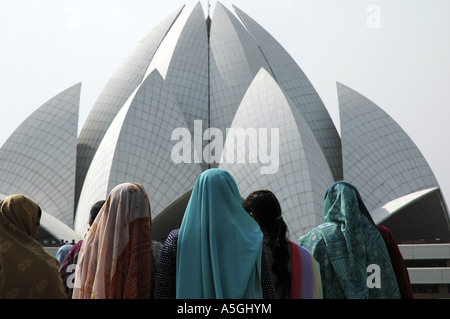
(27, 271)
(115, 257)
(67, 269)
(219, 244)
(398, 263)
(348, 247)
(305, 274)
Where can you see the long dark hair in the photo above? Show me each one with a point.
(266, 210)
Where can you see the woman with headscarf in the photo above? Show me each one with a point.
(27, 271)
(295, 272)
(353, 258)
(115, 257)
(217, 252)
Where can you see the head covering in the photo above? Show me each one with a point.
(219, 245)
(115, 257)
(62, 252)
(346, 245)
(26, 269)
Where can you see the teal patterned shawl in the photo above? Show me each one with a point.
(346, 246)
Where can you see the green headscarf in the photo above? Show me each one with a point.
(346, 245)
(219, 244)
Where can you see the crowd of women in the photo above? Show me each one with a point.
(225, 248)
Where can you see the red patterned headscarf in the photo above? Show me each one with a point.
(115, 258)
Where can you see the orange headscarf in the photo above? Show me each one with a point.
(26, 269)
(115, 258)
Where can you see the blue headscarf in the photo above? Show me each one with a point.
(219, 244)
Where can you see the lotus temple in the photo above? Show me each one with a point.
(167, 113)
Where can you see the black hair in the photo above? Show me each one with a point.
(94, 211)
(38, 223)
(266, 210)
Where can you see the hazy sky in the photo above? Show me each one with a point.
(396, 53)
